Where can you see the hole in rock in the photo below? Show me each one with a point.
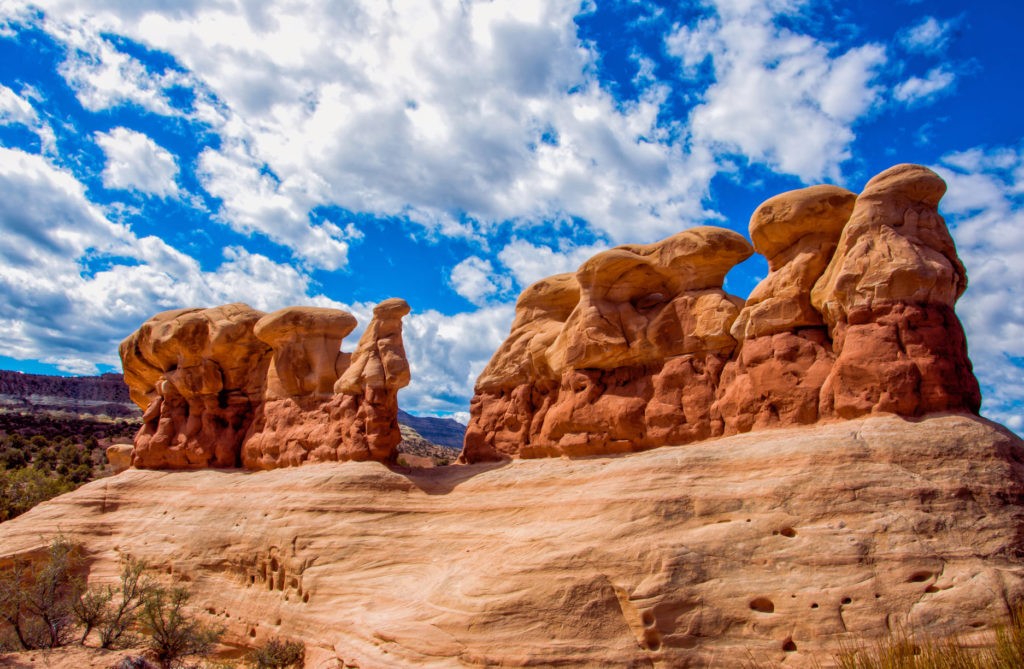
(788, 646)
(648, 618)
(762, 605)
(278, 622)
(788, 532)
(252, 579)
(652, 640)
(977, 623)
(919, 577)
(814, 605)
(295, 583)
(846, 600)
(252, 631)
(931, 589)
(305, 598)
(273, 564)
(877, 596)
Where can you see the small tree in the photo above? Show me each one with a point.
(90, 609)
(174, 634)
(36, 598)
(115, 630)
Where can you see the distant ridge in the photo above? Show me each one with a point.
(441, 431)
(104, 394)
(108, 394)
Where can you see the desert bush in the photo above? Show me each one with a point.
(114, 612)
(21, 489)
(278, 654)
(174, 634)
(36, 597)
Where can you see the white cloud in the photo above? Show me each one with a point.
(136, 162)
(985, 210)
(928, 36)
(15, 109)
(530, 262)
(443, 113)
(75, 284)
(447, 354)
(475, 279)
(917, 90)
(779, 97)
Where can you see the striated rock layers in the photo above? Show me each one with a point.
(780, 545)
(641, 347)
(231, 386)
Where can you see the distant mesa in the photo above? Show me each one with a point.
(641, 347)
(231, 386)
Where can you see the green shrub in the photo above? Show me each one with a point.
(278, 654)
(174, 634)
(36, 598)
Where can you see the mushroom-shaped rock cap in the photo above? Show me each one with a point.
(295, 322)
(554, 295)
(694, 259)
(394, 307)
(780, 221)
(916, 183)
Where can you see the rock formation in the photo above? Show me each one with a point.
(198, 374)
(642, 348)
(622, 356)
(781, 544)
(232, 386)
(888, 297)
(784, 352)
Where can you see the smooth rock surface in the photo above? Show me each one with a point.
(779, 544)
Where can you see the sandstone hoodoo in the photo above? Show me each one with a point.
(641, 347)
(231, 386)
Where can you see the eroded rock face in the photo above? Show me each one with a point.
(785, 353)
(855, 317)
(596, 360)
(198, 375)
(887, 297)
(233, 386)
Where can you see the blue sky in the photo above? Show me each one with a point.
(157, 154)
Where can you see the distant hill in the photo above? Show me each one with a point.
(441, 431)
(97, 395)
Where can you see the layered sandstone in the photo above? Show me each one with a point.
(781, 545)
(621, 356)
(855, 317)
(784, 353)
(887, 297)
(232, 386)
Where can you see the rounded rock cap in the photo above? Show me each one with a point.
(780, 221)
(393, 307)
(917, 183)
(309, 321)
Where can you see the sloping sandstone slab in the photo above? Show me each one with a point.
(781, 544)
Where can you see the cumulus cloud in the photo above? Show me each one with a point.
(475, 279)
(76, 283)
(929, 36)
(455, 115)
(136, 162)
(16, 110)
(531, 262)
(447, 353)
(985, 209)
(779, 98)
(918, 90)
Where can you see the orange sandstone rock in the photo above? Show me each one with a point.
(199, 374)
(887, 297)
(624, 356)
(784, 355)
